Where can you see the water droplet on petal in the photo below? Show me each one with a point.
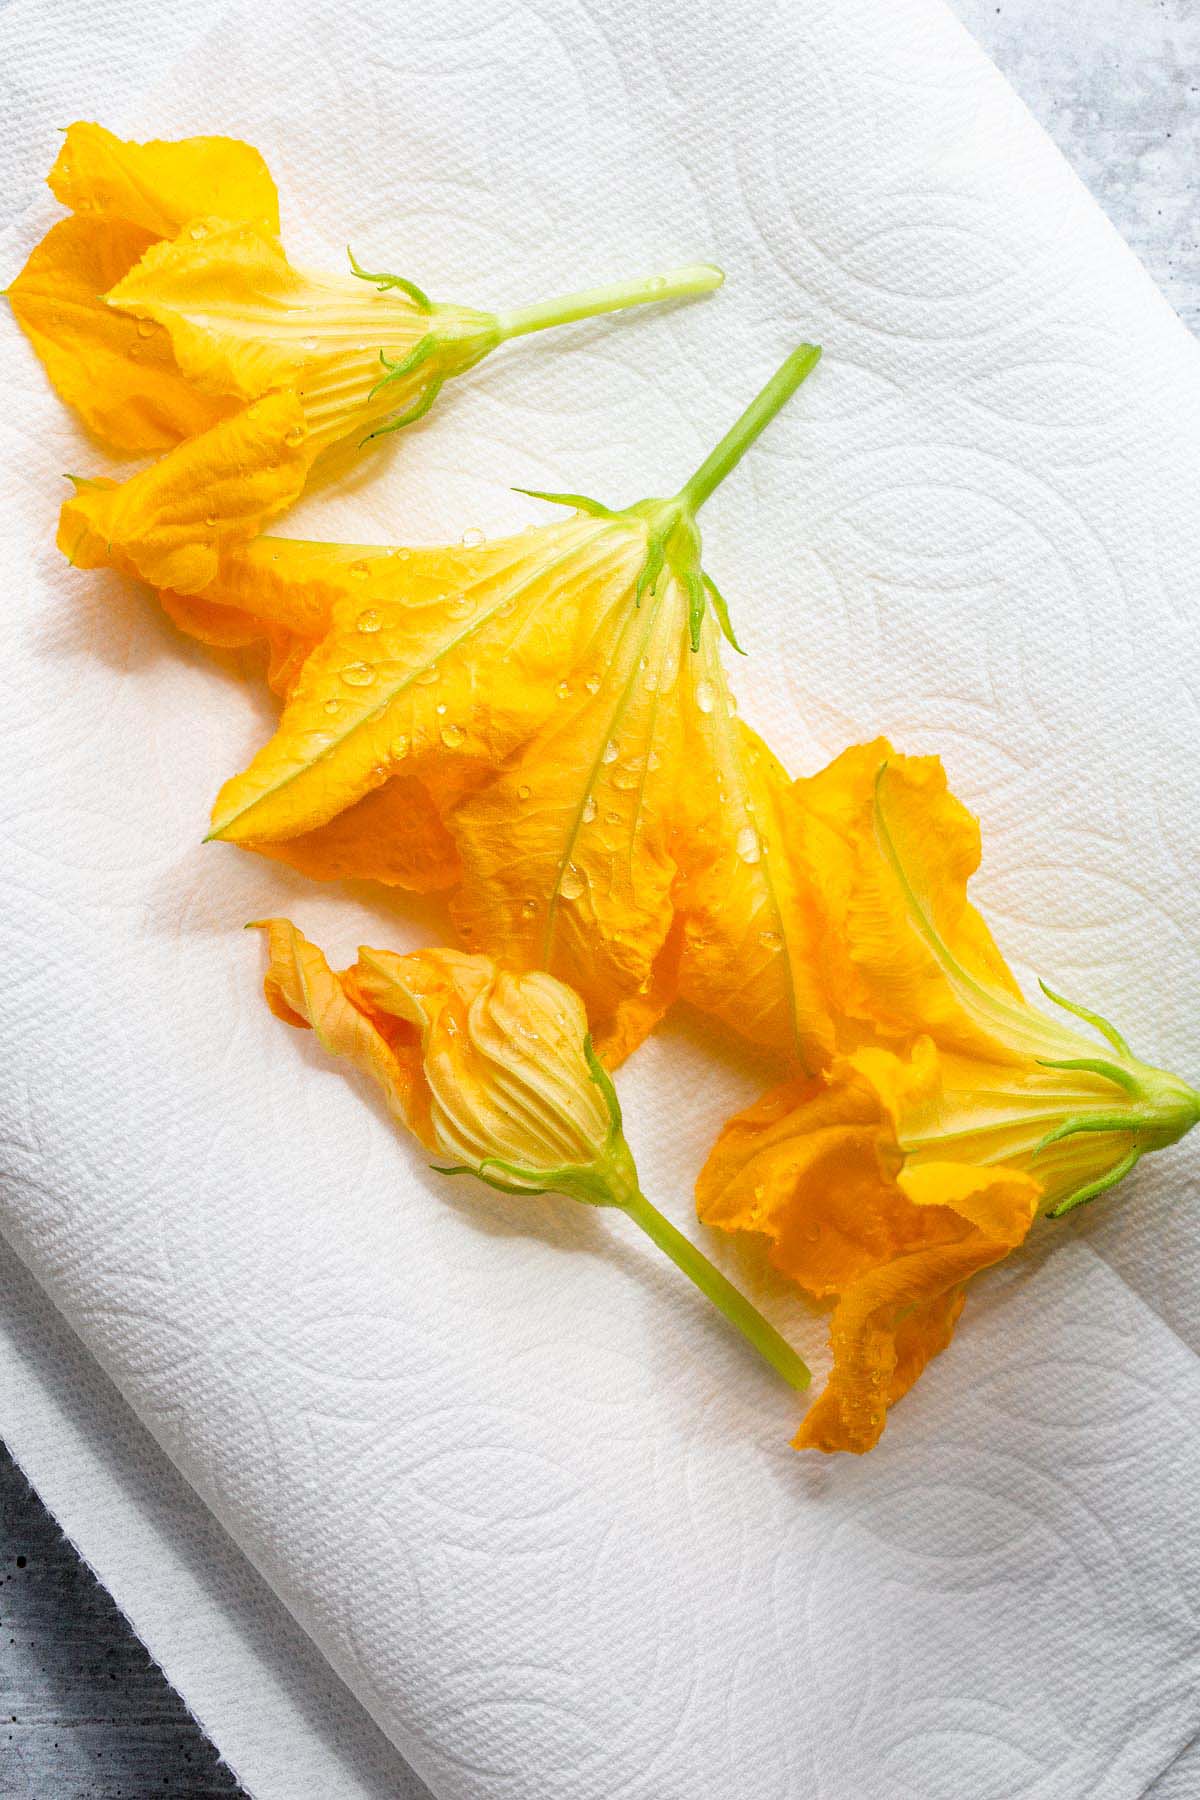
(628, 775)
(747, 845)
(310, 345)
(453, 736)
(770, 940)
(563, 690)
(370, 620)
(572, 883)
(705, 698)
(145, 327)
(506, 609)
(472, 537)
(592, 684)
(523, 792)
(359, 674)
(653, 760)
(398, 748)
(210, 520)
(333, 706)
(460, 607)
(589, 810)
(359, 571)
(440, 707)
(197, 231)
(610, 753)
(296, 434)
(656, 283)
(612, 818)
(428, 676)
(529, 908)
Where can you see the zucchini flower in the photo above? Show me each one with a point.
(542, 725)
(885, 1183)
(204, 335)
(493, 1071)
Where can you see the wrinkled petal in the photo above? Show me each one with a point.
(168, 525)
(394, 835)
(437, 663)
(303, 990)
(880, 963)
(159, 186)
(120, 375)
(818, 1167)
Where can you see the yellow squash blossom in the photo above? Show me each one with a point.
(169, 313)
(556, 702)
(889, 1180)
(493, 1071)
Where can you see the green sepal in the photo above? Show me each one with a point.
(384, 282)
(1095, 1019)
(721, 609)
(1095, 1065)
(580, 502)
(421, 351)
(411, 416)
(1092, 1188)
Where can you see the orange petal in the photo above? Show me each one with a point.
(817, 1167)
(160, 185)
(394, 835)
(121, 377)
(303, 990)
(168, 525)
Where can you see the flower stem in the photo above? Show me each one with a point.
(724, 1296)
(699, 278)
(757, 416)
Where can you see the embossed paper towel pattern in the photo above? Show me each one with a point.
(535, 1508)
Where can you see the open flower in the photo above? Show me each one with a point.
(494, 1071)
(203, 325)
(891, 1179)
(552, 709)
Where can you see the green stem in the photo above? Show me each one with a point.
(724, 1296)
(757, 416)
(699, 278)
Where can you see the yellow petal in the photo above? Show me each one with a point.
(395, 835)
(817, 1166)
(569, 853)
(168, 524)
(121, 377)
(160, 186)
(878, 959)
(750, 940)
(438, 662)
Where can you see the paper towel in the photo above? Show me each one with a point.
(534, 1504)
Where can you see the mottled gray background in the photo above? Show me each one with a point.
(84, 1714)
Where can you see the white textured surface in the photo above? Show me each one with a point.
(538, 1510)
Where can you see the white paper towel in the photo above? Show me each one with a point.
(535, 1506)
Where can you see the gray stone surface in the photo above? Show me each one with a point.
(84, 1713)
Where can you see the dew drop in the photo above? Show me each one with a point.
(296, 434)
(453, 736)
(506, 609)
(705, 698)
(398, 748)
(770, 940)
(524, 791)
(440, 707)
(210, 520)
(610, 753)
(747, 845)
(589, 810)
(563, 690)
(197, 231)
(428, 676)
(145, 327)
(333, 706)
(592, 684)
(529, 907)
(359, 674)
(460, 607)
(370, 620)
(472, 537)
(310, 345)
(653, 760)
(359, 571)
(612, 818)
(572, 883)
(627, 776)
(656, 284)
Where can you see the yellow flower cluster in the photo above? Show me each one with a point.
(541, 727)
